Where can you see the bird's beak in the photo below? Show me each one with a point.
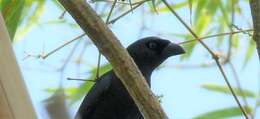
(173, 49)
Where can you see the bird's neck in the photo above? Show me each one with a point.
(147, 72)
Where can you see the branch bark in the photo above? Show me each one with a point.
(14, 100)
(255, 11)
(122, 63)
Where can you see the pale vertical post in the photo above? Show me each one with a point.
(15, 102)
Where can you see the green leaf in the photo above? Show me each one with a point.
(204, 14)
(80, 92)
(249, 52)
(174, 6)
(235, 41)
(188, 47)
(12, 12)
(202, 24)
(200, 7)
(225, 89)
(212, 7)
(32, 18)
(223, 113)
(68, 90)
(224, 12)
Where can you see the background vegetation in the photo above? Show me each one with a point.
(225, 26)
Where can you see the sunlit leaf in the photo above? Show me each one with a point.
(204, 13)
(223, 113)
(199, 27)
(174, 6)
(188, 47)
(249, 52)
(212, 7)
(225, 89)
(12, 12)
(32, 19)
(224, 12)
(81, 91)
(199, 9)
(202, 24)
(220, 29)
(235, 41)
(68, 90)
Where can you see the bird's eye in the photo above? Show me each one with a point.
(152, 45)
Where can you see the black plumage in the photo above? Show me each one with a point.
(108, 98)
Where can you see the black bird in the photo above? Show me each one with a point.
(108, 98)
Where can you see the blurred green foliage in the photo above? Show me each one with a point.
(206, 17)
(12, 13)
(223, 113)
(225, 90)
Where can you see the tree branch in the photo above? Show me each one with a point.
(122, 63)
(255, 11)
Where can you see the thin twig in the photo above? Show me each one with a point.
(206, 64)
(233, 3)
(231, 30)
(190, 30)
(120, 2)
(240, 88)
(98, 66)
(154, 6)
(245, 32)
(64, 65)
(63, 45)
(77, 79)
(131, 5)
(62, 68)
(111, 11)
(216, 35)
(214, 56)
(62, 14)
(112, 1)
(122, 15)
(231, 90)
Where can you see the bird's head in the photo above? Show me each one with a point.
(148, 53)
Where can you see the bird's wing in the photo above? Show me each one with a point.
(95, 94)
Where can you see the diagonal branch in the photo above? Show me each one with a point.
(122, 63)
(214, 56)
